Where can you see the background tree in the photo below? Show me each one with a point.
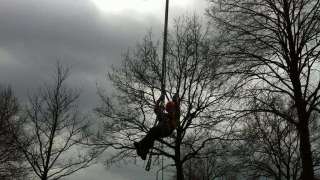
(264, 146)
(273, 47)
(270, 147)
(53, 130)
(214, 161)
(11, 159)
(129, 115)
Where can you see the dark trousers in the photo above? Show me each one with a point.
(160, 131)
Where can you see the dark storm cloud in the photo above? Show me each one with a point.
(35, 34)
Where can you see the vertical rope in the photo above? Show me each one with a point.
(163, 76)
(164, 63)
(164, 50)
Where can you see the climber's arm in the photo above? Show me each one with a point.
(159, 108)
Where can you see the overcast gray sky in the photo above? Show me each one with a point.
(89, 35)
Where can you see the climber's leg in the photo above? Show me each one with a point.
(159, 131)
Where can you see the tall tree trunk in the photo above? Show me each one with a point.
(178, 163)
(305, 151)
(304, 136)
(44, 177)
(303, 124)
(305, 145)
(179, 170)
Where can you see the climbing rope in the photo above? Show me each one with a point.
(163, 76)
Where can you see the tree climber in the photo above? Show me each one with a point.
(168, 121)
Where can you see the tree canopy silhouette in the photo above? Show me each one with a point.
(128, 114)
(273, 47)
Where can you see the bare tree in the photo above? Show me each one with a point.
(10, 157)
(270, 147)
(273, 48)
(216, 161)
(265, 146)
(53, 131)
(129, 115)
